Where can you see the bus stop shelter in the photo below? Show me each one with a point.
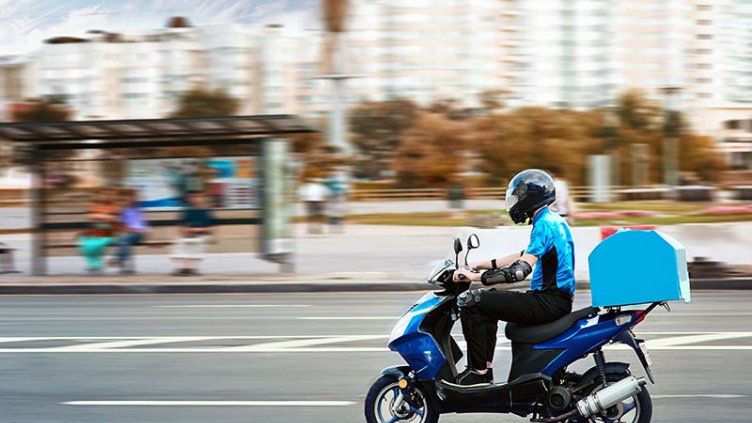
(116, 141)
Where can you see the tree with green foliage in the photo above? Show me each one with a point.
(200, 102)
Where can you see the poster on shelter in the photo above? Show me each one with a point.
(164, 184)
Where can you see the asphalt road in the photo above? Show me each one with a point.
(301, 358)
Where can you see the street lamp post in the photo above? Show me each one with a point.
(670, 136)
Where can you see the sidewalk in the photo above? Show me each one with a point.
(364, 258)
(20, 217)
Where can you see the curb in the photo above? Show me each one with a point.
(285, 287)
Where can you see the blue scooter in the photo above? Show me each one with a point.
(539, 386)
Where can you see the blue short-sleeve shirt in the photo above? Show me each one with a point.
(551, 241)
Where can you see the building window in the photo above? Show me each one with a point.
(704, 37)
(704, 66)
(704, 22)
(704, 7)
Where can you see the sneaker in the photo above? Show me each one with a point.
(180, 272)
(470, 378)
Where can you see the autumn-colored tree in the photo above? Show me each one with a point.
(376, 130)
(318, 158)
(534, 137)
(431, 152)
(45, 110)
(493, 100)
(200, 102)
(700, 156)
(42, 111)
(644, 121)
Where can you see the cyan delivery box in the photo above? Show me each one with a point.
(636, 267)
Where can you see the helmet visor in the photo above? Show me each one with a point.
(510, 198)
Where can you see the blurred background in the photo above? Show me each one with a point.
(413, 94)
(422, 111)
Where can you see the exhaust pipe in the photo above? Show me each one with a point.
(602, 400)
(609, 396)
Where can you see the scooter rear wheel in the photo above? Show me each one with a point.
(382, 396)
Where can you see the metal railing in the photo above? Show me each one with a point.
(492, 193)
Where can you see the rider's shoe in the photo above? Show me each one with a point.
(470, 378)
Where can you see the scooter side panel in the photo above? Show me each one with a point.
(420, 350)
(582, 338)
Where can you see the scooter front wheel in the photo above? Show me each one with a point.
(382, 404)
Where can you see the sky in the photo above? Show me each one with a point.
(24, 24)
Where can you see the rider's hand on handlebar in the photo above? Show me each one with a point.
(465, 275)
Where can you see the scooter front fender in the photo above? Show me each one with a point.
(397, 372)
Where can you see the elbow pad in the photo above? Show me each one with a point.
(514, 273)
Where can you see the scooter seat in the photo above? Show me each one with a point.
(540, 333)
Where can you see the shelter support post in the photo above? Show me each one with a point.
(38, 212)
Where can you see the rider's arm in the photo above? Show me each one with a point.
(500, 262)
(515, 272)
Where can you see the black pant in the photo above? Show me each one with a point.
(481, 321)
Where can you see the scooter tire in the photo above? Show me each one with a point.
(379, 388)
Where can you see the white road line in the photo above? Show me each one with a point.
(695, 339)
(713, 396)
(393, 318)
(117, 403)
(232, 306)
(126, 344)
(250, 350)
(302, 343)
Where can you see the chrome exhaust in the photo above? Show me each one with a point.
(609, 396)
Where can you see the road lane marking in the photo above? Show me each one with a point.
(126, 343)
(230, 350)
(348, 318)
(310, 343)
(713, 396)
(232, 306)
(694, 339)
(181, 403)
(302, 343)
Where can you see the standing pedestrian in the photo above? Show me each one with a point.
(196, 228)
(563, 206)
(314, 195)
(337, 205)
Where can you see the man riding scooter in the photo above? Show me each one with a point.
(552, 286)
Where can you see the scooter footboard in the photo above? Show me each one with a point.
(515, 397)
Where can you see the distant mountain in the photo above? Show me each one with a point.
(24, 24)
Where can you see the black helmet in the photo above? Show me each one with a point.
(528, 191)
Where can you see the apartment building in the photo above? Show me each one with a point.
(106, 75)
(424, 50)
